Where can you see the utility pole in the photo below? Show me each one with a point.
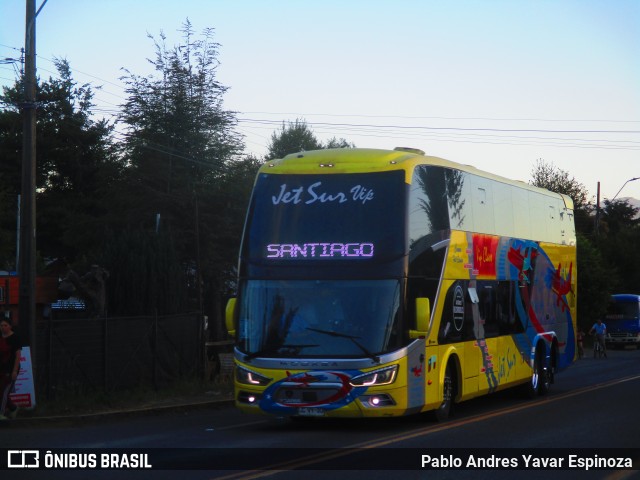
(27, 267)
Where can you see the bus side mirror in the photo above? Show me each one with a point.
(423, 314)
(230, 315)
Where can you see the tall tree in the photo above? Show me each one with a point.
(178, 132)
(76, 163)
(8, 226)
(596, 281)
(179, 145)
(293, 137)
(145, 275)
(297, 136)
(338, 143)
(619, 234)
(10, 168)
(546, 175)
(619, 215)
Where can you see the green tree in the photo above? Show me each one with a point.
(75, 159)
(146, 276)
(293, 137)
(618, 239)
(618, 215)
(10, 168)
(180, 148)
(8, 225)
(338, 143)
(595, 283)
(222, 212)
(178, 132)
(546, 175)
(296, 137)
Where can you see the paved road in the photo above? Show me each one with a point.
(593, 405)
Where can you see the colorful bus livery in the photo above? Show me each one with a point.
(386, 283)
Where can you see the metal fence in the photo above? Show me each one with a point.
(112, 354)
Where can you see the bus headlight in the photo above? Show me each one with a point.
(375, 401)
(249, 377)
(384, 376)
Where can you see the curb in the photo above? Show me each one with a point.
(108, 414)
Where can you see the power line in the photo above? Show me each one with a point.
(419, 117)
(533, 139)
(9, 46)
(441, 133)
(75, 70)
(491, 136)
(460, 129)
(405, 117)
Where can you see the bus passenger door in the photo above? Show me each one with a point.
(472, 347)
(471, 368)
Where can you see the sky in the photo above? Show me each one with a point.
(495, 84)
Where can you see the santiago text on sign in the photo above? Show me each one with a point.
(314, 250)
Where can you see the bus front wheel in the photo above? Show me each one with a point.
(444, 410)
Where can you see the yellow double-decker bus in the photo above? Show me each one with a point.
(377, 283)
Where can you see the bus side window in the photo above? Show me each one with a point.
(507, 318)
(424, 278)
(456, 324)
(488, 308)
(497, 308)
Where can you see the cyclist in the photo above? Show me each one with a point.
(599, 329)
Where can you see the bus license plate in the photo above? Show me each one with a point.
(310, 412)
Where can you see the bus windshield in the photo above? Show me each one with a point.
(618, 310)
(316, 319)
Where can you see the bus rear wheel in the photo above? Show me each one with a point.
(540, 379)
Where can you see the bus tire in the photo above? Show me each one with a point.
(444, 410)
(546, 372)
(544, 381)
(540, 379)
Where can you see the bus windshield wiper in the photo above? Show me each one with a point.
(277, 348)
(353, 338)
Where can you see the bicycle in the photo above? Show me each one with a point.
(598, 347)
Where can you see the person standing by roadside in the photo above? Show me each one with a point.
(580, 339)
(10, 352)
